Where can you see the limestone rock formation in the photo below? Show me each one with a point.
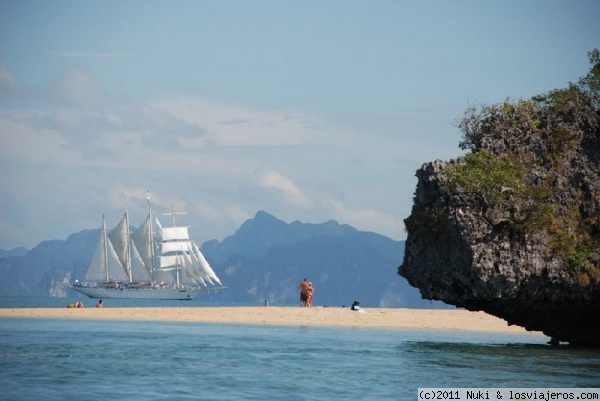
(513, 227)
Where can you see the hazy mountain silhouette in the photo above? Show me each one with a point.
(264, 260)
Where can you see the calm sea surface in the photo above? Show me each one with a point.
(51, 359)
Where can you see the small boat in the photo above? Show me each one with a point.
(155, 262)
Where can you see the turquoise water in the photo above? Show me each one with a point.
(52, 359)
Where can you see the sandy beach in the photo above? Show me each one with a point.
(287, 316)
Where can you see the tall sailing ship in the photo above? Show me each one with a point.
(153, 263)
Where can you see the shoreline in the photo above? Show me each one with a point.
(436, 319)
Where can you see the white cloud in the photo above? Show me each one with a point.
(221, 164)
(368, 220)
(24, 142)
(285, 188)
(95, 155)
(228, 126)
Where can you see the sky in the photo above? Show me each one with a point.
(309, 110)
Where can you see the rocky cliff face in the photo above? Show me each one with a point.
(513, 228)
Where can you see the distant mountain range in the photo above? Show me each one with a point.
(264, 260)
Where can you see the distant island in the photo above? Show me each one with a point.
(513, 227)
(264, 260)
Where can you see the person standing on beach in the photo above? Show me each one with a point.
(310, 294)
(303, 292)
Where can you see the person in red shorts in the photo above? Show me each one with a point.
(303, 292)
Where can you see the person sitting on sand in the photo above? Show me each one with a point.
(355, 306)
(99, 304)
(303, 292)
(79, 304)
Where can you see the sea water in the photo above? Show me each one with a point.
(63, 359)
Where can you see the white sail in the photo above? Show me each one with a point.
(168, 261)
(163, 275)
(205, 267)
(116, 271)
(145, 244)
(188, 276)
(188, 257)
(105, 264)
(194, 271)
(139, 272)
(180, 254)
(120, 241)
(199, 273)
(161, 264)
(128, 254)
(183, 246)
(96, 270)
(175, 234)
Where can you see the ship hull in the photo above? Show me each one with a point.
(181, 294)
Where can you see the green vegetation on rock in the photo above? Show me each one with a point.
(513, 227)
(525, 166)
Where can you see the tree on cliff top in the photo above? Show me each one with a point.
(533, 161)
(591, 82)
(475, 124)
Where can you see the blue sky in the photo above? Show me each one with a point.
(309, 110)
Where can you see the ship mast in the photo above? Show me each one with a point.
(127, 242)
(151, 240)
(172, 214)
(105, 248)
